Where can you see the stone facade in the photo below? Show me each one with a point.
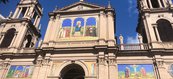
(80, 43)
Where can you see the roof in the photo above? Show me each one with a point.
(80, 3)
(1, 17)
(76, 7)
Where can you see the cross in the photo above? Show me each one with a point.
(81, 0)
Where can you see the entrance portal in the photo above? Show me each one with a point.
(73, 71)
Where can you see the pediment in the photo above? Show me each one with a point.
(80, 6)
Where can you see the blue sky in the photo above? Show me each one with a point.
(126, 14)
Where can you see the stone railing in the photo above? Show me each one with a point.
(133, 47)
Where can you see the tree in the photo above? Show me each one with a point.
(3, 1)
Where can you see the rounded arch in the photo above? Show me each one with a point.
(165, 29)
(72, 71)
(80, 63)
(8, 37)
(91, 21)
(77, 20)
(66, 23)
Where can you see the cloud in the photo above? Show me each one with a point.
(132, 40)
(132, 7)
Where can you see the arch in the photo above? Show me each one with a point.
(80, 63)
(165, 30)
(8, 37)
(66, 23)
(72, 71)
(91, 26)
(155, 3)
(81, 20)
(91, 21)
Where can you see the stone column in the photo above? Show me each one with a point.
(14, 38)
(165, 3)
(26, 13)
(21, 35)
(145, 6)
(38, 21)
(2, 37)
(19, 13)
(151, 6)
(157, 33)
(121, 42)
(160, 4)
(16, 12)
(35, 20)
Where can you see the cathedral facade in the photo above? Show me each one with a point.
(80, 43)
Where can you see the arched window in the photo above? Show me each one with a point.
(8, 38)
(29, 40)
(155, 3)
(91, 26)
(66, 23)
(66, 28)
(78, 27)
(165, 30)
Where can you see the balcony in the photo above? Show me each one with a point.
(133, 47)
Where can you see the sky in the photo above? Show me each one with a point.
(126, 14)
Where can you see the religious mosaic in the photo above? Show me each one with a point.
(93, 68)
(133, 71)
(170, 70)
(20, 71)
(79, 28)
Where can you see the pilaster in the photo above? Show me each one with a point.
(103, 26)
(49, 30)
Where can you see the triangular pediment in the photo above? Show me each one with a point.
(80, 6)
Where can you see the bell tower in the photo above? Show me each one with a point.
(156, 22)
(21, 29)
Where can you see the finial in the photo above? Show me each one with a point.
(81, 0)
(10, 15)
(109, 4)
(56, 8)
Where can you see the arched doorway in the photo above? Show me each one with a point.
(72, 71)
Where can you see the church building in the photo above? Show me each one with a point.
(80, 43)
